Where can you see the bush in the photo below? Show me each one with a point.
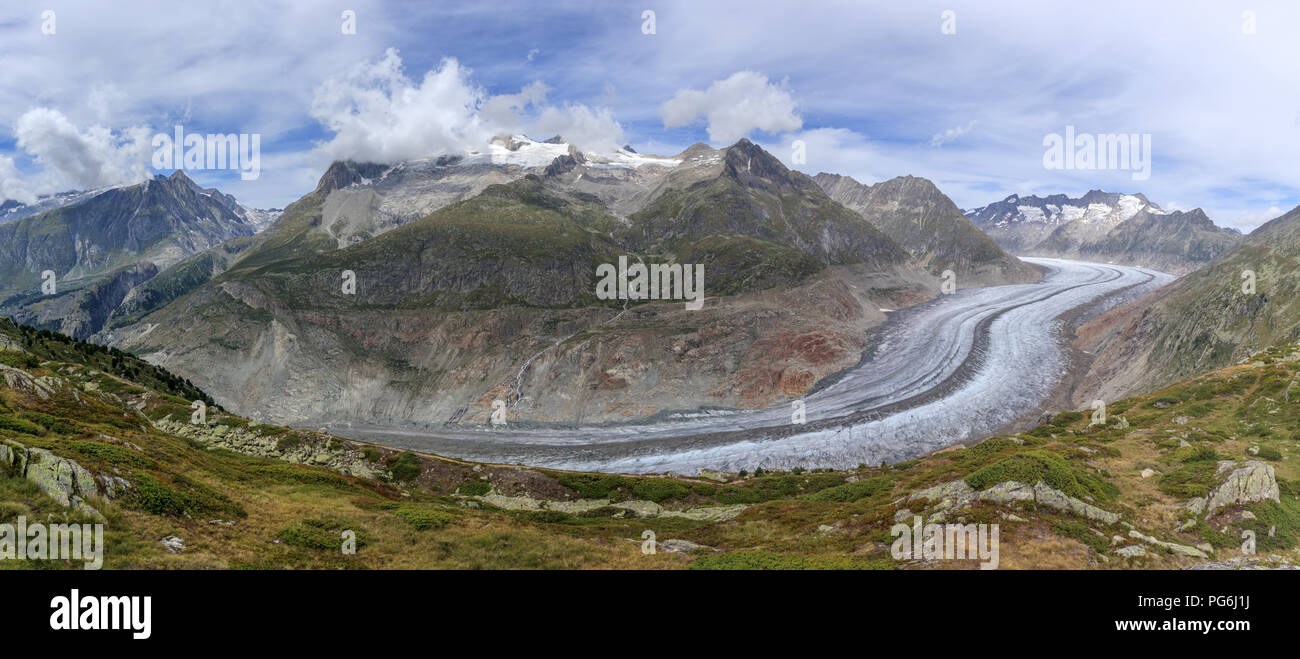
(777, 487)
(319, 534)
(405, 468)
(659, 489)
(50, 423)
(184, 496)
(9, 422)
(1033, 466)
(593, 486)
(154, 497)
(1275, 525)
(606, 511)
(1080, 531)
(111, 453)
(18, 359)
(423, 519)
(1066, 418)
(1200, 454)
(292, 473)
(1193, 479)
(1269, 453)
(853, 491)
(766, 560)
(475, 488)
(546, 516)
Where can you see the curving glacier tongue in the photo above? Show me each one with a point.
(947, 371)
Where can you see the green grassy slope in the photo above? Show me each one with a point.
(243, 495)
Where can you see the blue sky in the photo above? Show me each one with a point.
(873, 89)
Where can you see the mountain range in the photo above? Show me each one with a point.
(930, 227)
(472, 281)
(102, 244)
(1244, 302)
(473, 278)
(491, 294)
(1102, 226)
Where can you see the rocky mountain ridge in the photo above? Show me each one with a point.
(1245, 301)
(99, 246)
(930, 227)
(450, 307)
(1103, 226)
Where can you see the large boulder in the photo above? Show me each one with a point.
(1250, 482)
(63, 480)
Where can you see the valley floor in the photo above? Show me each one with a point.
(1201, 474)
(949, 371)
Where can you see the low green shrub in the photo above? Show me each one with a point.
(853, 491)
(406, 467)
(474, 488)
(423, 519)
(1038, 465)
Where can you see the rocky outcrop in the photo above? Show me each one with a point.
(339, 455)
(1249, 483)
(675, 545)
(957, 494)
(63, 480)
(1181, 550)
(40, 386)
(634, 508)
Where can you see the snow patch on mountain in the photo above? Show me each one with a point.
(523, 151)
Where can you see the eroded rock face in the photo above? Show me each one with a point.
(745, 351)
(1251, 482)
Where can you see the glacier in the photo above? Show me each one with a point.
(948, 371)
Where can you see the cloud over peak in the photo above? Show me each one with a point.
(378, 114)
(74, 158)
(734, 107)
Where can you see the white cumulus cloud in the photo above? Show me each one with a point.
(11, 183)
(378, 114)
(589, 129)
(733, 107)
(1248, 221)
(90, 158)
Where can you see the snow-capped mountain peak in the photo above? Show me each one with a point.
(1110, 226)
